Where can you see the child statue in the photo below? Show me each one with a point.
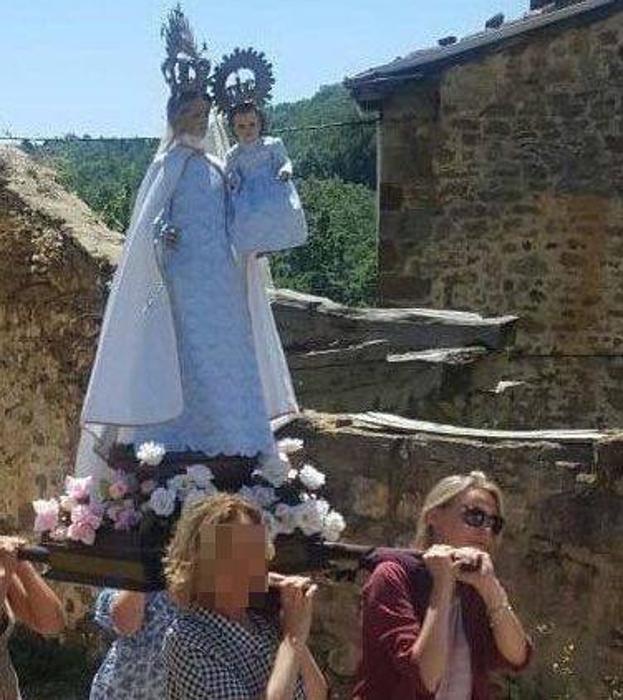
(266, 209)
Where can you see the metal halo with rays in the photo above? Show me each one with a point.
(256, 90)
(184, 69)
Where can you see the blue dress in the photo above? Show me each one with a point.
(266, 215)
(224, 408)
(133, 668)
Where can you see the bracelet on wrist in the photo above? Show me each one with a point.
(498, 613)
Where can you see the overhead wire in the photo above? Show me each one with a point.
(284, 130)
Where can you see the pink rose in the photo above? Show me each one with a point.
(90, 515)
(113, 511)
(118, 489)
(81, 532)
(78, 489)
(46, 515)
(84, 522)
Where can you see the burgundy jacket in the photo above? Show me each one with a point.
(394, 603)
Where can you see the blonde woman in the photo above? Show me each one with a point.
(220, 645)
(437, 620)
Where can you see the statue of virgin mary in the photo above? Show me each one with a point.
(189, 355)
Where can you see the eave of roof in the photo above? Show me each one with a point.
(372, 84)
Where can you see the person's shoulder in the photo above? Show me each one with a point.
(186, 633)
(409, 559)
(388, 571)
(272, 141)
(395, 569)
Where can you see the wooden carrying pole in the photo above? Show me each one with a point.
(140, 568)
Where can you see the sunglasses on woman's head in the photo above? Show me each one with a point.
(476, 517)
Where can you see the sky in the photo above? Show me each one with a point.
(93, 66)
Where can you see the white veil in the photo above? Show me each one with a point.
(97, 437)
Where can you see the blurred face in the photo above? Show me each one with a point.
(247, 126)
(469, 520)
(232, 564)
(193, 119)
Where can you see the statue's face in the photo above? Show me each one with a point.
(247, 126)
(194, 117)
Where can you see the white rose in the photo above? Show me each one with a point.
(200, 475)
(210, 489)
(310, 516)
(312, 478)
(151, 453)
(162, 501)
(274, 468)
(194, 496)
(290, 445)
(180, 483)
(333, 526)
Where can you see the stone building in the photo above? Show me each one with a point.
(501, 191)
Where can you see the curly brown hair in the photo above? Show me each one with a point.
(180, 562)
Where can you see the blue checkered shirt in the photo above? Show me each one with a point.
(207, 656)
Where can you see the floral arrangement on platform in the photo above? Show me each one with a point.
(289, 496)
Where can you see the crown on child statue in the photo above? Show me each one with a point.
(231, 90)
(185, 69)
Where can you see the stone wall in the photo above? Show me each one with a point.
(501, 190)
(515, 391)
(54, 261)
(561, 556)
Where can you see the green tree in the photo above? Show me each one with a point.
(105, 174)
(347, 152)
(339, 261)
